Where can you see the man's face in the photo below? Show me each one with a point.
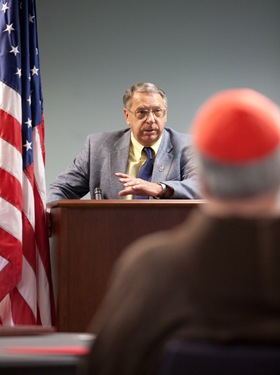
(148, 129)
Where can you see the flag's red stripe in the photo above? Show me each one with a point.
(39, 322)
(10, 277)
(41, 234)
(10, 189)
(41, 228)
(10, 130)
(21, 310)
(28, 242)
(10, 249)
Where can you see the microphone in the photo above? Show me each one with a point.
(97, 193)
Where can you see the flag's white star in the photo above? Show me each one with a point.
(29, 122)
(14, 50)
(29, 100)
(34, 70)
(28, 145)
(9, 28)
(31, 18)
(18, 73)
(4, 7)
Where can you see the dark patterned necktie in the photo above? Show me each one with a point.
(145, 172)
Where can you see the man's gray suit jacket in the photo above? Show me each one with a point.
(104, 154)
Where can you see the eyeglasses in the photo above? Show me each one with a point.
(141, 114)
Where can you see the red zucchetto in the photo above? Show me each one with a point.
(237, 126)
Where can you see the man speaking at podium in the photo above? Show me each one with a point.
(146, 160)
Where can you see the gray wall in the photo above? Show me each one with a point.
(92, 50)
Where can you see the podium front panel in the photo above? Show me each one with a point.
(87, 237)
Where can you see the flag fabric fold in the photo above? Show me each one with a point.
(26, 294)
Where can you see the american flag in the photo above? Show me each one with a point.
(26, 295)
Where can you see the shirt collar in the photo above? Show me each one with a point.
(137, 147)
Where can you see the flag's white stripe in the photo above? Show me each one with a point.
(10, 219)
(39, 167)
(43, 293)
(27, 286)
(10, 101)
(3, 262)
(11, 159)
(28, 200)
(6, 311)
(42, 280)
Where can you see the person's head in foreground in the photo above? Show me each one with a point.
(237, 139)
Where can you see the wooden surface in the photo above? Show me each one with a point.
(87, 236)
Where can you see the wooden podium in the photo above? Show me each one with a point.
(87, 236)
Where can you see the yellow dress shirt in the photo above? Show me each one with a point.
(137, 158)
